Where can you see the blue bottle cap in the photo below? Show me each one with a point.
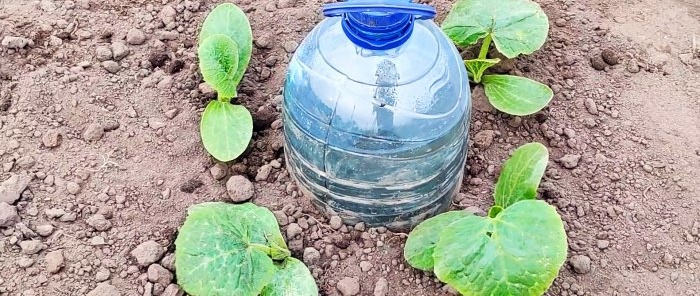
(378, 24)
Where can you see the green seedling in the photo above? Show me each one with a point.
(516, 27)
(237, 249)
(517, 249)
(225, 46)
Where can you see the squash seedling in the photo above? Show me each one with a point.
(517, 249)
(516, 27)
(225, 46)
(237, 249)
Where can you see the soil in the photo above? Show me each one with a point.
(103, 158)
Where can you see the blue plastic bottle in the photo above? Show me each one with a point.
(376, 114)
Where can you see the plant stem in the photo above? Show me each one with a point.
(485, 47)
(223, 99)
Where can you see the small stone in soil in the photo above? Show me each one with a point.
(570, 161)
(263, 172)
(104, 289)
(348, 286)
(119, 50)
(111, 66)
(103, 53)
(102, 274)
(51, 138)
(135, 37)
(591, 106)
(72, 187)
(336, 222)
(12, 188)
(31, 247)
(148, 252)
(93, 132)
(239, 188)
(293, 230)
(173, 290)
(44, 230)
(598, 63)
(311, 256)
(580, 263)
(191, 185)
(610, 57)
(54, 261)
(8, 215)
(484, 139)
(218, 171)
(159, 274)
(99, 222)
(381, 288)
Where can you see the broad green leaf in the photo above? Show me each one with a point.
(291, 279)
(224, 249)
(422, 239)
(218, 62)
(226, 130)
(231, 21)
(517, 26)
(476, 67)
(521, 175)
(519, 252)
(516, 95)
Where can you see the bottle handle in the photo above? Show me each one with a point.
(419, 11)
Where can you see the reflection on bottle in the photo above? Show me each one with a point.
(387, 80)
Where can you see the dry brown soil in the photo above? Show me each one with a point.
(114, 159)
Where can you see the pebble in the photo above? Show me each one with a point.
(484, 139)
(168, 262)
(25, 262)
(155, 123)
(119, 50)
(570, 161)
(290, 46)
(560, 22)
(159, 274)
(603, 244)
(610, 57)
(281, 217)
(54, 213)
(135, 37)
(365, 266)
(336, 222)
(44, 230)
(173, 290)
(598, 63)
(93, 132)
(104, 289)
(8, 215)
(167, 35)
(239, 188)
(633, 67)
(167, 14)
(580, 263)
(148, 253)
(591, 106)
(13, 42)
(54, 261)
(51, 138)
(12, 188)
(72, 188)
(31, 247)
(348, 286)
(102, 275)
(293, 230)
(218, 171)
(381, 287)
(170, 114)
(99, 222)
(111, 66)
(311, 255)
(103, 53)
(263, 172)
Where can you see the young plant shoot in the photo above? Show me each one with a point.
(516, 27)
(225, 46)
(517, 250)
(227, 249)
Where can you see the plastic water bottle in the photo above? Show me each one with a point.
(376, 114)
